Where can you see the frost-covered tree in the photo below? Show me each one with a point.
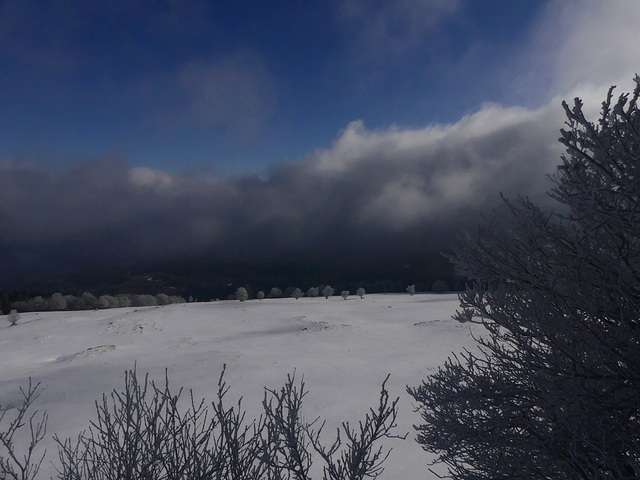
(107, 301)
(297, 293)
(242, 294)
(37, 304)
(89, 300)
(260, 295)
(345, 294)
(439, 286)
(360, 292)
(78, 303)
(162, 299)
(20, 306)
(103, 302)
(554, 391)
(275, 293)
(73, 302)
(123, 300)
(57, 302)
(177, 299)
(144, 300)
(411, 289)
(312, 292)
(328, 291)
(13, 317)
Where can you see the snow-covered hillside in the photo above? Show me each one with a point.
(344, 350)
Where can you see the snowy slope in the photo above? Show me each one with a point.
(344, 350)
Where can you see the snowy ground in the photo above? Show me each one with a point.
(344, 350)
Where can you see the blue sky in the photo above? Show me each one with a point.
(234, 86)
(140, 131)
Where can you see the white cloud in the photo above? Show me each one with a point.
(151, 178)
(491, 137)
(356, 144)
(417, 175)
(600, 44)
(400, 203)
(580, 48)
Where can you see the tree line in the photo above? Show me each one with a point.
(27, 301)
(88, 301)
(242, 293)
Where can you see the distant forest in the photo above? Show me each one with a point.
(211, 281)
(41, 301)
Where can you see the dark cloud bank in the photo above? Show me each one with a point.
(376, 205)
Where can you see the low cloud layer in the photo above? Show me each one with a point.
(394, 193)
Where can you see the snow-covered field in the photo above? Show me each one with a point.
(344, 350)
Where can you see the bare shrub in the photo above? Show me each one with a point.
(144, 433)
(16, 462)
